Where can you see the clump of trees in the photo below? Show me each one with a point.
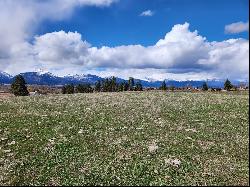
(138, 86)
(204, 86)
(111, 85)
(107, 85)
(68, 89)
(18, 86)
(80, 88)
(84, 88)
(172, 88)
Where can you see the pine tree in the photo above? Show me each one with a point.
(121, 87)
(138, 86)
(131, 83)
(84, 88)
(105, 85)
(98, 86)
(64, 90)
(81, 88)
(113, 84)
(227, 85)
(68, 89)
(204, 86)
(126, 86)
(18, 87)
(163, 86)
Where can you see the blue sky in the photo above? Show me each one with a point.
(120, 24)
(146, 39)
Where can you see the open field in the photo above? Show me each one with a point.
(132, 138)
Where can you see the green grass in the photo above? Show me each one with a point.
(125, 139)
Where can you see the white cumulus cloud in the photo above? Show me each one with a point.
(147, 13)
(237, 27)
(181, 54)
(20, 18)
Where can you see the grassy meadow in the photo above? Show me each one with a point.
(127, 138)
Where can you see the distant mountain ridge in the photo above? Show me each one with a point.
(52, 80)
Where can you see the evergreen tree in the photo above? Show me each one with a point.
(125, 86)
(98, 86)
(105, 85)
(68, 89)
(138, 86)
(84, 88)
(64, 90)
(18, 87)
(121, 87)
(113, 84)
(204, 86)
(227, 85)
(163, 86)
(131, 83)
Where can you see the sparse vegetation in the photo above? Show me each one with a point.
(126, 138)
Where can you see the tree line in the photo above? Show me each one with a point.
(227, 86)
(19, 88)
(106, 85)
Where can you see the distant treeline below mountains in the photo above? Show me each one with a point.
(52, 80)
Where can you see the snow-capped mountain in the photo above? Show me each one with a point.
(47, 78)
(5, 78)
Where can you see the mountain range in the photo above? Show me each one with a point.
(52, 80)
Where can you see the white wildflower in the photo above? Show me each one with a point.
(173, 162)
(189, 138)
(12, 143)
(52, 141)
(152, 148)
(2, 139)
(80, 131)
(7, 151)
(192, 130)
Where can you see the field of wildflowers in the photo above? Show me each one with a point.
(129, 138)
